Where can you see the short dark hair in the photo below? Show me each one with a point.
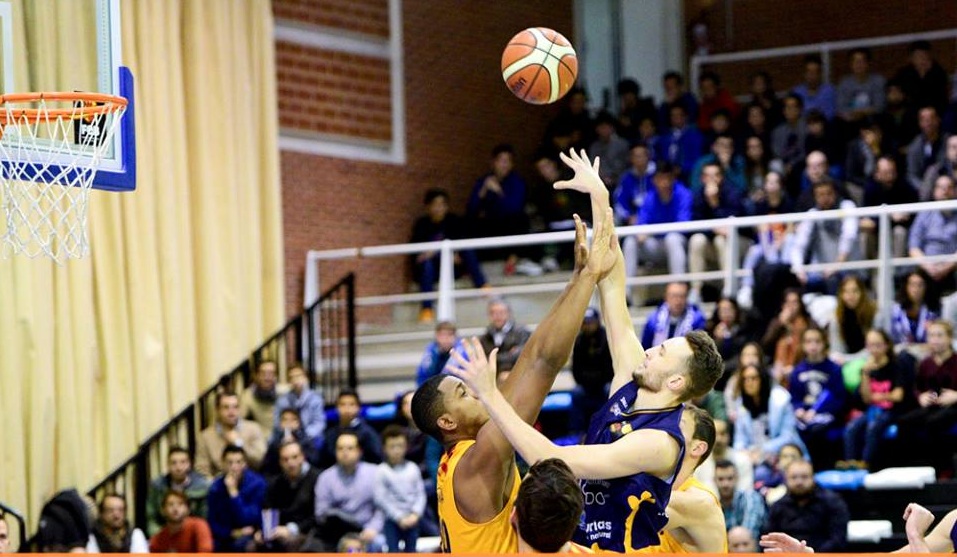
(826, 182)
(174, 493)
(794, 97)
(813, 59)
(705, 365)
(224, 394)
(446, 326)
(349, 392)
(675, 76)
(434, 193)
(815, 117)
(111, 495)
(604, 117)
(288, 443)
(502, 148)
(293, 411)
(264, 362)
(679, 105)
(233, 449)
(710, 76)
(347, 433)
(666, 167)
(392, 431)
(921, 44)
(175, 449)
(628, 85)
(864, 51)
(427, 406)
(703, 430)
(549, 505)
(721, 112)
(724, 463)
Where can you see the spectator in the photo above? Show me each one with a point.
(440, 224)
(731, 165)
(228, 430)
(4, 535)
(180, 478)
(425, 452)
(863, 152)
(112, 532)
(716, 200)
(634, 185)
(675, 317)
(882, 392)
(927, 427)
(821, 136)
(573, 122)
(947, 166)
(769, 261)
(712, 402)
(720, 125)
(612, 149)
(827, 241)
(306, 401)
(352, 543)
(505, 334)
(814, 92)
(765, 420)
(668, 201)
(292, 495)
(809, 512)
(763, 95)
(884, 188)
(910, 314)
(860, 94)
(682, 144)
(235, 503)
(742, 507)
(744, 470)
(258, 402)
(592, 370)
(555, 209)
(756, 124)
(924, 81)
(674, 93)
(65, 523)
(935, 233)
(714, 97)
(437, 352)
(633, 108)
(399, 493)
(757, 165)
(290, 430)
(783, 336)
(751, 355)
(819, 399)
(774, 487)
(787, 139)
(344, 496)
(648, 134)
(726, 327)
(349, 408)
(181, 532)
(773, 198)
(740, 540)
(853, 317)
(899, 119)
(816, 168)
(927, 149)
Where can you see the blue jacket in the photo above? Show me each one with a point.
(653, 211)
(819, 387)
(229, 513)
(492, 206)
(631, 192)
(433, 361)
(311, 408)
(733, 176)
(782, 425)
(684, 153)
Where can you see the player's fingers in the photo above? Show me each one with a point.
(492, 359)
(595, 164)
(562, 185)
(477, 350)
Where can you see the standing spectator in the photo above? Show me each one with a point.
(633, 108)
(810, 512)
(674, 93)
(634, 185)
(399, 493)
(853, 317)
(882, 392)
(787, 139)
(935, 233)
(437, 352)
(863, 152)
(290, 430)
(819, 399)
(505, 334)
(714, 97)
(304, 400)
(592, 370)
(716, 200)
(440, 224)
(180, 478)
(924, 81)
(740, 540)
(910, 314)
(682, 144)
(292, 495)
(235, 503)
(730, 163)
(884, 188)
(349, 408)
(927, 149)
(181, 532)
(742, 507)
(344, 496)
(744, 470)
(947, 166)
(764, 95)
(814, 92)
(726, 327)
(675, 317)
(827, 241)
(612, 149)
(860, 94)
(112, 532)
(258, 402)
(783, 336)
(229, 430)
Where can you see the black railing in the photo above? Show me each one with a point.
(322, 337)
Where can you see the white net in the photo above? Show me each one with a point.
(50, 152)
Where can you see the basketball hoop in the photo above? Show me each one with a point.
(51, 149)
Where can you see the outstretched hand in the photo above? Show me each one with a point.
(478, 371)
(586, 179)
(604, 246)
(778, 542)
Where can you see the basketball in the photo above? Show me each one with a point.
(539, 65)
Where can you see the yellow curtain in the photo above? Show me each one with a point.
(186, 272)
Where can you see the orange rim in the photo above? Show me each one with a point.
(8, 114)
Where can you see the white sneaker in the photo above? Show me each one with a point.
(528, 268)
(549, 264)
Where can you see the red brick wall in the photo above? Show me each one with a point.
(370, 17)
(457, 109)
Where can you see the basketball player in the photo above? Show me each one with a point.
(478, 480)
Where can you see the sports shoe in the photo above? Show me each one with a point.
(528, 268)
(426, 315)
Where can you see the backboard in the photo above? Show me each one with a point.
(71, 45)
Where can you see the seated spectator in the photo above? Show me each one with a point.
(573, 121)
(860, 94)
(774, 198)
(180, 478)
(399, 493)
(911, 314)
(633, 108)
(648, 134)
(425, 451)
(822, 136)
(349, 409)
(306, 401)
(228, 429)
(634, 185)
(947, 166)
(181, 533)
(728, 162)
(714, 97)
(555, 209)
(826, 241)
(819, 399)
(673, 84)
(882, 392)
(787, 139)
(816, 170)
(769, 260)
(235, 503)
(756, 123)
(292, 495)
(592, 370)
(884, 188)
(853, 317)
(716, 200)
(763, 94)
(726, 327)
(783, 336)
(927, 428)
(923, 80)
(344, 496)
(505, 334)
(740, 540)
(682, 143)
(863, 152)
(765, 420)
(774, 487)
(927, 149)
(744, 470)
(757, 165)
(290, 429)
(437, 352)
(814, 92)
(258, 402)
(65, 523)
(612, 149)
(669, 201)
(720, 126)
(899, 119)
(751, 355)
(112, 532)
(935, 233)
(742, 507)
(712, 402)
(675, 317)
(810, 512)
(440, 224)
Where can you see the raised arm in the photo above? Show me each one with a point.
(917, 520)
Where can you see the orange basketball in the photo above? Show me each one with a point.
(539, 65)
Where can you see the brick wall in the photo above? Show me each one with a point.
(457, 109)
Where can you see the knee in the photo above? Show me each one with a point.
(698, 242)
(676, 240)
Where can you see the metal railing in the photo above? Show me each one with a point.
(447, 294)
